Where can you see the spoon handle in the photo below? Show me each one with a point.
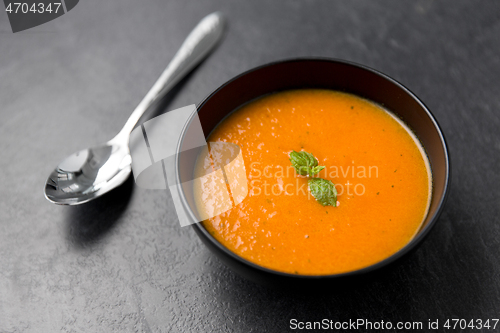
(196, 46)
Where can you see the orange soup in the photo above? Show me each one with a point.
(378, 166)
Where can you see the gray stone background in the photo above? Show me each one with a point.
(123, 264)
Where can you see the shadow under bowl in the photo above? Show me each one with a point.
(324, 74)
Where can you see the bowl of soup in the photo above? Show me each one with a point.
(379, 155)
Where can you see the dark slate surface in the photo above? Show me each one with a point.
(123, 264)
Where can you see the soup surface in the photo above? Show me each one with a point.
(378, 167)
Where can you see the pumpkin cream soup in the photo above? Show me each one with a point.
(379, 169)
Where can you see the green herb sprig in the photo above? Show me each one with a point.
(305, 163)
(323, 190)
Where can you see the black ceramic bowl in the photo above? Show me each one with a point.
(326, 74)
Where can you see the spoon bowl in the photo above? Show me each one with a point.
(89, 173)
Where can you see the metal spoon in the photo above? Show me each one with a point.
(90, 173)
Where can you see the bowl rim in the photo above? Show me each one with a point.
(422, 233)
